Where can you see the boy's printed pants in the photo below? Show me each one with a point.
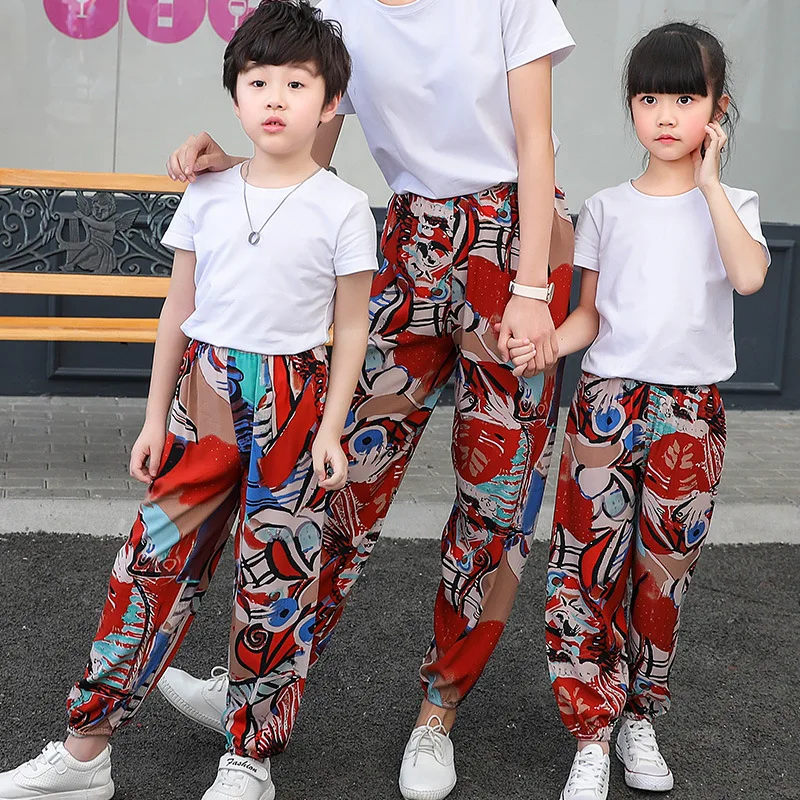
(239, 440)
(638, 479)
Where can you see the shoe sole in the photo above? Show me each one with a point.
(97, 793)
(426, 794)
(646, 783)
(180, 705)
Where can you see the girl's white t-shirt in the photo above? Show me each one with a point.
(664, 298)
(274, 298)
(430, 85)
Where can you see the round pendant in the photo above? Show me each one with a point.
(254, 238)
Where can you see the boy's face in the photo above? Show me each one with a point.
(281, 107)
(672, 126)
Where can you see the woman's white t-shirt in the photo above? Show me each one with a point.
(274, 298)
(664, 298)
(430, 85)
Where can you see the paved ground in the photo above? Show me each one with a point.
(733, 732)
(56, 453)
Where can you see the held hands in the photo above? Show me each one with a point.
(707, 167)
(527, 336)
(330, 462)
(198, 154)
(146, 453)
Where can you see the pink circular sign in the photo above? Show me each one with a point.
(167, 21)
(226, 16)
(83, 19)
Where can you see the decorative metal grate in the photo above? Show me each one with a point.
(99, 233)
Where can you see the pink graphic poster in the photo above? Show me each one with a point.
(83, 19)
(227, 15)
(167, 21)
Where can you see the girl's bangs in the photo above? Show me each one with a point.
(667, 63)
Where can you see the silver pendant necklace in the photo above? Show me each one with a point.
(255, 235)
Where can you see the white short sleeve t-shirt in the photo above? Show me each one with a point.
(274, 298)
(430, 85)
(664, 298)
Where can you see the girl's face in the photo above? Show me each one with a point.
(672, 126)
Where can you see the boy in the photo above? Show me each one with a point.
(261, 252)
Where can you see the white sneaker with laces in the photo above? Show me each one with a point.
(56, 775)
(428, 770)
(588, 777)
(202, 701)
(637, 749)
(241, 778)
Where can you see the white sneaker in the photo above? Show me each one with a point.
(202, 701)
(428, 770)
(241, 778)
(56, 775)
(637, 749)
(588, 777)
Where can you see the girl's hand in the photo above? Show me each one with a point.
(146, 453)
(330, 463)
(706, 168)
(523, 354)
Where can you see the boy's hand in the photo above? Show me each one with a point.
(198, 154)
(330, 463)
(146, 453)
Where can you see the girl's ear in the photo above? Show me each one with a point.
(722, 107)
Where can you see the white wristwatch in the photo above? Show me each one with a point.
(533, 292)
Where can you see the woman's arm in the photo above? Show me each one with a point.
(202, 154)
(530, 91)
(170, 345)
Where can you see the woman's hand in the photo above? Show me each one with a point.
(529, 320)
(198, 154)
(330, 462)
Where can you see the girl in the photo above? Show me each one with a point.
(661, 257)
(454, 97)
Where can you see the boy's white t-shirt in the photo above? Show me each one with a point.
(430, 85)
(664, 298)
(274, 298)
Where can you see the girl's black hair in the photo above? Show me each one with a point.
(681, 58)
(283, 32)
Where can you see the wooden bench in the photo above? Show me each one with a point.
(92, 218)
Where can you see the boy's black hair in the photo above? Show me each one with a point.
(680, 58)
(282, 32)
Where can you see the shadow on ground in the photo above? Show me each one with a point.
(733, 732)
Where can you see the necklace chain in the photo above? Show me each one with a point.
(255, 235)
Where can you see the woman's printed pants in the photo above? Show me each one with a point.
(639, 474)
(444, 282)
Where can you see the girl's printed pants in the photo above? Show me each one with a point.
(638, 479)
(240, 434)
